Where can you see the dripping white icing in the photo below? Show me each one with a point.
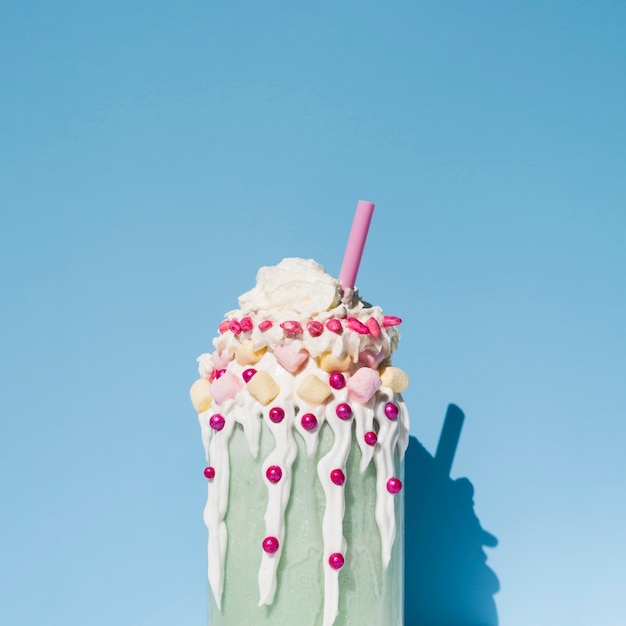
(300, 291)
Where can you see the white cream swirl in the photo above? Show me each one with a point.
(300, 286)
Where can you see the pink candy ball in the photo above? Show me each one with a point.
(209, 472)
(248, 374)
(344, 411)
(338, 477)
(277, 414)
(308, 421)
(274, 473)
(270, 544)
(336, 560)
(394, 485)
(217, 422)
(337, 380)
(370, 438)
(391, 410)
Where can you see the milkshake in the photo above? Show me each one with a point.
(305, 432)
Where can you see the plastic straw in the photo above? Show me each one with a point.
(354, 249)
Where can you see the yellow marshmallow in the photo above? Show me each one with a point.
(263, 388)
(200, 395)
(313, 391)
(395, 378)
(331, 363)
(245, 355)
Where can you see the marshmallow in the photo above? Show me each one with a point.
(363, 384)
(395, 378)
(290, 360)
(331, 363)
(200, 394)
(371, 359)
(313, 391)
(263, 388)
(225, 387)
(245, 355)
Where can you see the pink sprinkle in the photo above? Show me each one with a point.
(235, 327)
(373, 325)
(344, 411)
(224, 326)
(209, 472)
(265, 325)
(370, 438)
(391, 320)
(270, 544)
(394, 485)
(248, 374)
(274, 473)
(334, 326)
(337, 380)
(315, 328)
(308, 421)
(336, 560)
(338, 477)
(391, 410)
(277, 414)
(358, 327)
(292, 327)
(245, 323)
(217, 422)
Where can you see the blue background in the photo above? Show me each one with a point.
(154, 154)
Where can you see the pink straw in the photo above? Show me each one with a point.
(354, 249)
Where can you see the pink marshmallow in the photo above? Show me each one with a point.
(363, 384)
(221, 360)
(290, 360)
(371, 359)
(225, 387)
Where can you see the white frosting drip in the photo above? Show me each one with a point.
(307, 294)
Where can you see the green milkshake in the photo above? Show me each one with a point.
(305, 430)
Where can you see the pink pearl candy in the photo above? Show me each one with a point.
(336, 560)
(217, 422)
(337, 380)
(391, 410)
(209, 472)
(370, 438)
(391, 320)
(358, 327)
(270, 544)
(276, 414)
(235, 327)
(224, 326)
(292, 327)
(265, 325)
(394, 485)
(315, 328)
(334, 326)
(248, 374)
(274, 473)
(338, 477)
(344, 411)
(308, 421)
(245, 323)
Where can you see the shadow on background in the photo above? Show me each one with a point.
(447, 580)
